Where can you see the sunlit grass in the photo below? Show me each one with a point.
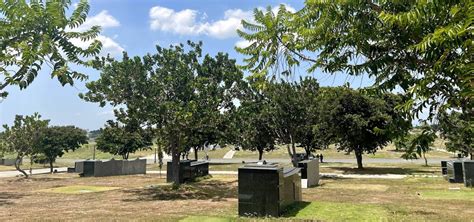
(79, 189)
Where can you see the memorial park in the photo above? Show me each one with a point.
(277, 111)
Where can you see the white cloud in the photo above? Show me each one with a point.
(243, 43)
(185, 22)
(105, 20)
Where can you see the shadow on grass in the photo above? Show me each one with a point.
(6, 198)
(212, 190)
(292, 210)
(385, 170)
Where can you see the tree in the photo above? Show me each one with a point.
(287, 114)
(93, 134)
(22, 137)
(361, 123)
(422, 47)
(122, 140)
(458, 132)
(165, 90)
(420, 143)
(255, 122)
(54, 141)
(3, 145)
(34, 33)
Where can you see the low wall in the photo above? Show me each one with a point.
(111, 167)
(7, 162)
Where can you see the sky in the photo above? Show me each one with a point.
(137, 26)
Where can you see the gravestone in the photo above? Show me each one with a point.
(188, 170)
(309, 172)
(266, 190)
(455, 174)
(444, 169)
(468, 171)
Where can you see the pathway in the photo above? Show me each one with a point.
(229, 154)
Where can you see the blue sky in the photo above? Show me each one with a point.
(136, 26)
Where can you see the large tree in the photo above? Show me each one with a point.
(254, 121)
(54, 141)
(292, 106)
(37, 33)
(362, 123)
(421, 47)
(457, 131)
(167, 89)
(123, 139)
(22, 137)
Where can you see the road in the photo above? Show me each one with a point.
(15, 173)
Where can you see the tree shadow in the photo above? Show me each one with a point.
(6, 198)
(292, 210)
(212, 190)
(384, 170)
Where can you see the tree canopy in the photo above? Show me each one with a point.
(54, 141)
(22, 137)
(37, 33)
(120, 139)
(168, 91)
(421, 47)
(361, 123)
(458, 132)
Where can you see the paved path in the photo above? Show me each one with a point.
(325, 175)
(34, 172)
(229, 154)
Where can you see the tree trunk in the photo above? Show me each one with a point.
(260, 154)
(17, 166)
(175, 167)
(471, 156)
(196, 153)
(358, 155)
(293, 148)
(308, 153)
(51, 166)
(424, 157)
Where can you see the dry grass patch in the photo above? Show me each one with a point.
(78, 189)
(368, 187)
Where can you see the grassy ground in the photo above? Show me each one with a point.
(387, 152)
(147, 197)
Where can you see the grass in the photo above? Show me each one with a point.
(78, 189)
(330, 211)
(464, 195)
(6, 168)
(387, 152)
(147, 197)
